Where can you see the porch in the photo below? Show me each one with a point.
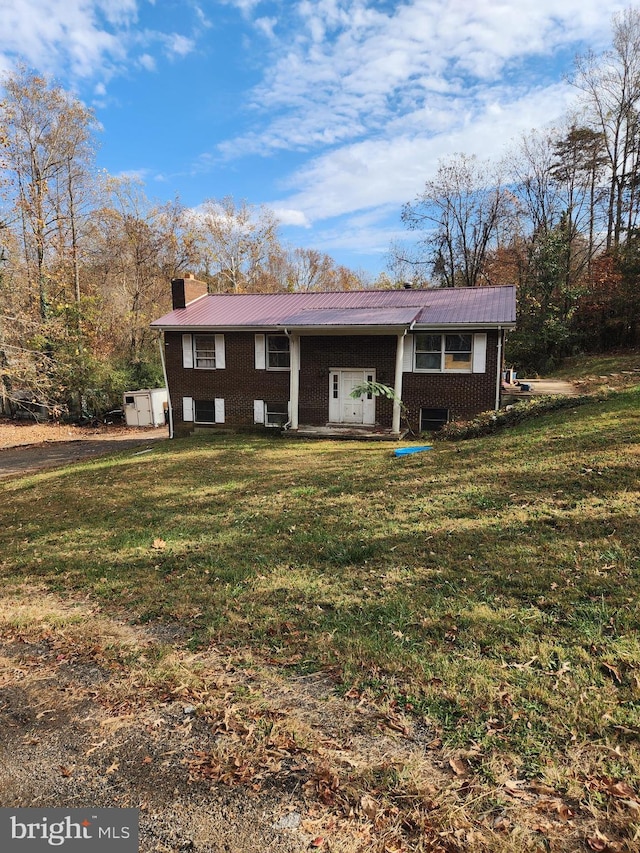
(347, 432)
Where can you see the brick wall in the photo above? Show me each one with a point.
(239, 383)
(321, 354)
(463, 394)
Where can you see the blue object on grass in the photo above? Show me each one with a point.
(404, 451)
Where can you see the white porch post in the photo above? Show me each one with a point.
(294, 379)
(499, 369)
(397, 409)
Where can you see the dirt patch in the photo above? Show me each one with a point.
(29, 447)
(23, 433)
(237, 759)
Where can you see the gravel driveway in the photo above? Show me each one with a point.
(25, 458)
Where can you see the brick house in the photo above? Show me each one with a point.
(291, 360)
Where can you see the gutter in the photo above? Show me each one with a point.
(166, 383)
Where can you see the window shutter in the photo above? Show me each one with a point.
(258, 411)
(187, 407)
(219, 410)
(220, 360)
(480, 352)
(407, 360)
(261, 361)
(187, 350)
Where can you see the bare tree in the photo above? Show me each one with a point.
(610, 86)
(461, 211)
(136, 247)
(236, 243)
(48, 153)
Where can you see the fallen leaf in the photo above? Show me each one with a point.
(601, 843)
(622, 790)
(610, 669)
(67, 771)
(95, 746)
(317, 842)
(512, 788)
(112, 767)
(458, 766)
(369, 806)
(159, 544)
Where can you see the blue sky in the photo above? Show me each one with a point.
(331, 112)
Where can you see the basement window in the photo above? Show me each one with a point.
(276, 414)
(432, 419)
(205, 411)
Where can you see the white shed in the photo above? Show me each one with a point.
(146, 407)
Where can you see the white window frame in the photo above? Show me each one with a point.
(267, 338)
(268, 412)
(190, 351)
(218, 411)
(443, 353)
(199, 353)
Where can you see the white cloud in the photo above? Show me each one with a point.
(136, 176)
(345, 69)
(148, 62)
(245, 6)
(73, 34)
(266, 26)
(289, 216)
(79, 39)
(393, 170)
(179, 45)
(381, 92)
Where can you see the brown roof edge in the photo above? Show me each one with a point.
(186, 290)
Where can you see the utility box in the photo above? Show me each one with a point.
(145, 408)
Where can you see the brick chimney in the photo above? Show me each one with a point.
(186, 290)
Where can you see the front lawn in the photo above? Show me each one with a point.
(487, 590)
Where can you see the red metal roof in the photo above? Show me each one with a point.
(431, 307)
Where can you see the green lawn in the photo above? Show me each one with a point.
(488, 588)
(615, 365)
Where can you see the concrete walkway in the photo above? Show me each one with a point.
(539, 388)
(552, 386)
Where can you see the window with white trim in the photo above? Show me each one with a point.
(278, 355)
(204, 351)
(276, 414)
(205, 411)
(443, 352)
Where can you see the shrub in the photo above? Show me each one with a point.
(487, 423)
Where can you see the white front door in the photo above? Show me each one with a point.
(345, 409)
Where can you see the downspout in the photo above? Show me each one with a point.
(166, 383)
(499, 370)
